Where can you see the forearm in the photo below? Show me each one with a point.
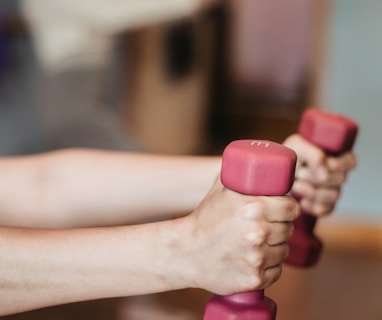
(75, 188)
(227, 230)
(44, 268)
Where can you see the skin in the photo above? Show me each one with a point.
(50, 255)
(319, 177)
(83, 224)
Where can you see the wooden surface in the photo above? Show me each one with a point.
(346, 285)
(168, 113)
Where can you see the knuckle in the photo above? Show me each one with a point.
(335, 164)
(255, 281)
(256, 260)
(292, 209)
(255, 238)
(258, 206)
(256, 234)
(322, 210)
(253, 209)
(250, 279)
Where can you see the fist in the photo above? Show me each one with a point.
(319, 177)
(238, 242)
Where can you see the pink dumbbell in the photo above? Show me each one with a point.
(335, 134)
(253, 167)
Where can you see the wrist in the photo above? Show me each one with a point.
(176, 257)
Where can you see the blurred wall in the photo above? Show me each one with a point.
(353, 86)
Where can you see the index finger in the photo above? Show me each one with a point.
(342, 163)
(282, 209)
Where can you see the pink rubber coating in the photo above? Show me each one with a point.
(258, 167)
(335, 134)
(332, 132)
(244, 306)
(253, 167)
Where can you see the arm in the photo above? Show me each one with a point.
(319, 178)
(75, 188)
(242, 237)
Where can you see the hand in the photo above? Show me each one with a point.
(238, 242)
(319, 177)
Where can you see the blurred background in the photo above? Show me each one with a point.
(189, 76)
(187, 81)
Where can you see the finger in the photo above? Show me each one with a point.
(280, 232)
(329, 178)
(318, 209)
(274, 234)
(307, 153)
(274, 255)
(344, 163)
(315, 175)
(273, 267)
(335, 179)
(317, 201)
(268, 269)
(328, 195)
(271, 275)
(281, 209)
(303, 189)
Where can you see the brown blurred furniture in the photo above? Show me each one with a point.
(169, 85)
(246, 63)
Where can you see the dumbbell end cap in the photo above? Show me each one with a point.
(258, 167)
(332, 132)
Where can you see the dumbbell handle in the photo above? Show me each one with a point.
(252, 167)
(334, 134)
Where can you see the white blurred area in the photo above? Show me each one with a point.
(72, 33)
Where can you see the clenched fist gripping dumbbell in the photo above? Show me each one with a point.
(254, 168)
(334, 134)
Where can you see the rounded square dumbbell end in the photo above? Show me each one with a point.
(333, 132)
(249, 306)
(305, 249)
(258, 167)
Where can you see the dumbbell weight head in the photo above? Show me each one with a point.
(334, 134)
